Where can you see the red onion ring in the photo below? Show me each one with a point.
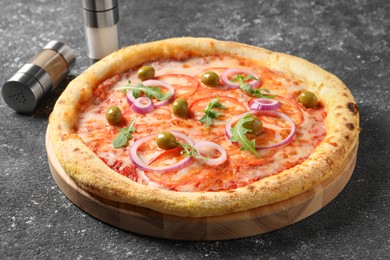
(212, 161)
(153, 83)
(137, 161)
(130, 97)
(142, 105)
(284, 142)
(225, 78)
(264, 104)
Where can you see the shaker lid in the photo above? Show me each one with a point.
(99, 5)
(100, 13)
(26, 87)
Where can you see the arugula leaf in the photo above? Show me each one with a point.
(150, 92)
(190, 151)
(124, 135)
(210, 113)
(251, 91)
(239, 135)
(136, 93)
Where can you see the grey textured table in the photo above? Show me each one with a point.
(348, 38)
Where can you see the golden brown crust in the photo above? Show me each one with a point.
(90, 173)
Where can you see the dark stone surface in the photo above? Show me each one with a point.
(348, 38)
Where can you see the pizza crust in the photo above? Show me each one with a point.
(94, 176)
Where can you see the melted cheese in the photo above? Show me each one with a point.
(242, 167)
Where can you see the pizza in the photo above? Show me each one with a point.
(196, 127)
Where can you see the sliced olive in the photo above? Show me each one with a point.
(210, 78)
(255, 125)
(145, 73)
(166, 140)
(180, 107)
(308, 99)
(113, 115)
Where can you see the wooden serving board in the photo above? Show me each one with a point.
(236, 225)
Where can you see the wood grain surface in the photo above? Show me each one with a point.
(236, 225)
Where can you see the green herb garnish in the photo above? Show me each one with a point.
(124, 135)
(239, 135)
(251, 91)
(152, 91)
(210, 113)
(190, 151)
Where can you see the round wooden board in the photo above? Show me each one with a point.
(236, 225)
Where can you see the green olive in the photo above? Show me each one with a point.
(145, 72)
(113, 115)
(308, 99)
(166, 140)
(255, 125)
(210, 78)
(180, 107)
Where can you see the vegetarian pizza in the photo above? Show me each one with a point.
(196, 127)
